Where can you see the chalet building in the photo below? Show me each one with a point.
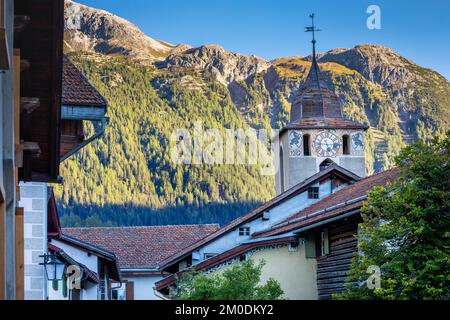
(140, 251)
(99, 268)
(306, 234)
(41, 126)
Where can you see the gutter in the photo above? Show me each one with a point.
(287, 235)
(141, 270)
(160, 295)
(326, 221)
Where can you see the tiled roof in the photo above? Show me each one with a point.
(142, 247)
(76, 88)
(344, 200)
(301, 187)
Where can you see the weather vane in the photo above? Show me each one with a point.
(313, 30)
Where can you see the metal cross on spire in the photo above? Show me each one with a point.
(313, 30)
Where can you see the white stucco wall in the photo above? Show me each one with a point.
(296, 274)
(90, 290)
(143, 286)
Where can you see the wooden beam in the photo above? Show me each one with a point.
(24, 65)
(2, 247)
(4, 61)
(28, 105)
(20, 23)
(19, 254)
(31, 147)
(18, 155)
(18, 150)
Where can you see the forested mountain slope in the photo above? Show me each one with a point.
(127, 178)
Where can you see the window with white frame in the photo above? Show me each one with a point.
(244, 231)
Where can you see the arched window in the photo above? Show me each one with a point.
(281, 169)
(325, 164)
(346, 145)
(306, 145)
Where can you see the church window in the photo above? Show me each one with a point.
(306, 145)
(346, 145)
(313, 193)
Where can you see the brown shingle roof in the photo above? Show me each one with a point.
(76, 88)
(344, 200)
(142, 247)
(325, 123)
(319, 106)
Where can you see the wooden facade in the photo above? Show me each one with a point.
(333, 268)
(38, 32)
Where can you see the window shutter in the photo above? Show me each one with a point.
(130, 290)
(64, 287)
(326, 243)
(310, 245)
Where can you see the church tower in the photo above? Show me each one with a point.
(318, 134)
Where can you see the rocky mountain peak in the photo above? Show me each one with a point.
(92, 30)
(224, 65)
(376, 63)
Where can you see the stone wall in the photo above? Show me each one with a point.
(34, 200)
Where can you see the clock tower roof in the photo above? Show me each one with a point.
(318, 105)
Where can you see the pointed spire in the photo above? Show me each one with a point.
(318, 100)
(313, 30)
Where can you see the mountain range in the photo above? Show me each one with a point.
(153, 86)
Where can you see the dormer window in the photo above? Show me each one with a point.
(313, 193)
(244, 231)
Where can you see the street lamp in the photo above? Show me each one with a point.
(54, 268)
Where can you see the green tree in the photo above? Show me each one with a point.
(406, 230)
(239, 282)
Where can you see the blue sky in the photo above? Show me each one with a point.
(418, 30)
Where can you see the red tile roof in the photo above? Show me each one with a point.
(142, 247)
(76, 88)
(345, 200)
(333, 170)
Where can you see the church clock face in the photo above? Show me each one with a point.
(327, 144)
